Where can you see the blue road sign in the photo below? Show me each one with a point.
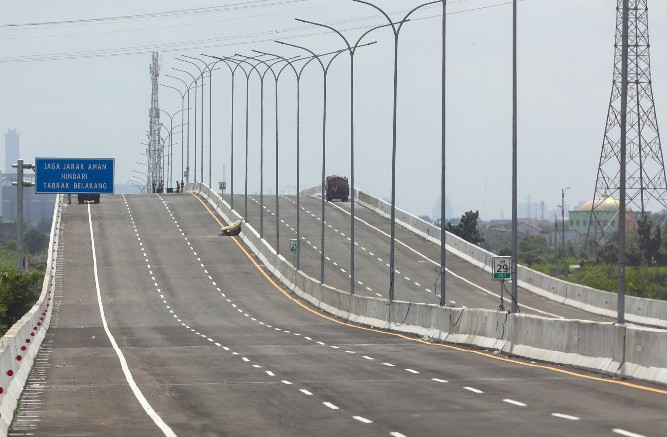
(74, 175)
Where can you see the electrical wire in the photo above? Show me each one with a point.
(215, 42)
(152, 15)
(171, 26)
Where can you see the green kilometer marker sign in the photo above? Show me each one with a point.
(501, 267)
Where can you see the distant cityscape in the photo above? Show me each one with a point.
(36, 207)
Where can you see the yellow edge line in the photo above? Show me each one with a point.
(448, 346)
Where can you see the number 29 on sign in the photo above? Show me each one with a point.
(502, 268)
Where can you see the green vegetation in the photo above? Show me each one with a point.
(18, 293)
(645, 255)
(466, 228)
(20, 290)
(640, 281)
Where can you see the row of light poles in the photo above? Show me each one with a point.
(263, 64)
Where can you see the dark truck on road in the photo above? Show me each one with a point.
(337, 187)
(93, 197)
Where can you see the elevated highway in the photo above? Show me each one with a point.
(160, 327)
(416, 259)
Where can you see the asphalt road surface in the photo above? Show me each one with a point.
(417, 260)
(161, 327)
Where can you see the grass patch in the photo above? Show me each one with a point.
(643, 281)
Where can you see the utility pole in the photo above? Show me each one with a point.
(19, 184)
(562, 211)
(154, 151)
(631, 143)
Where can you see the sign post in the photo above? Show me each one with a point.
(501, 270)
(294, 248)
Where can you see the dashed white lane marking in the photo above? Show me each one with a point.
(269, 373)
(330, 405)
(166, 430)
(388, 364)
(626, 433)
(438, 380)
(396, 434)
(564, 416)
(474, 390)
(513, 402)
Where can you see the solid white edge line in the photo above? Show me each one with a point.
(479, 287)
(123, 363)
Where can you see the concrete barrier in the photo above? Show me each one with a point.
(20, 344)
(637, 310)
(623, 351)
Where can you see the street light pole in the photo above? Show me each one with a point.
(253, 67)
(325, 71)
(443, 211)
(276, 77)
(515, 305)
(195, 81)
(261, 134)
(351, 50)
(297, 75)
(396, 29)
(622, 214)
(209, 67)
(201, 74)
(226, 61)
(170, 181)
(185, 173)
(247, 90)
(182, 123)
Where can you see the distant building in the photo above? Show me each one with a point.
(12, 150)
(36, 207)
(526, 229)
(606, 211)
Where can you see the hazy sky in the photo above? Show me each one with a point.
(75, 82)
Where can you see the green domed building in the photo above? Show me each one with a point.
(606, 211)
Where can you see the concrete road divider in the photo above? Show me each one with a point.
(637, 310)
(624, 351)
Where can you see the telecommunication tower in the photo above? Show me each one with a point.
(645, 185)
(154, 153)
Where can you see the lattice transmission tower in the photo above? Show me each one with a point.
(645, 185)
(154, 151)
